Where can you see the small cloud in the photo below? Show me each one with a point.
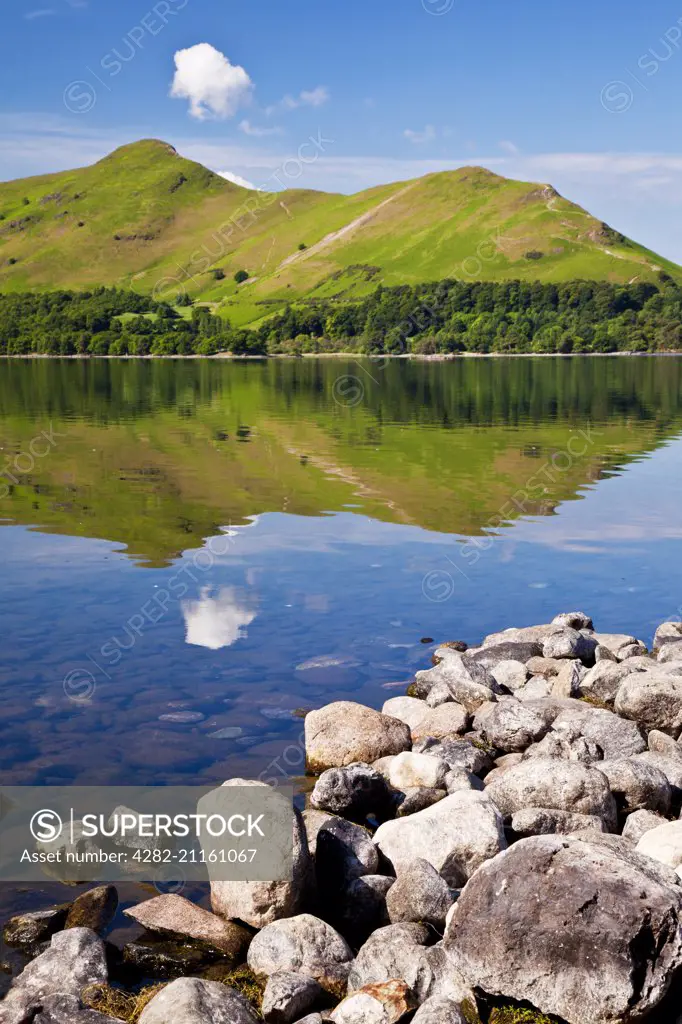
(308, 98)
(256, 131)
(216, 622)
(509, 147)
(237, 179)
(214, 87)
(43, 12)
(419, 138)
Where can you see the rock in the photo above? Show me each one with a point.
(620, 645)
(524, 635)
(566, 743)
(65, 1009)
(439, 1011)
(549, 783)
(510, 674)
(671, 651)
(664, 844)
(653, 700)
(304, 945)
(449, 647)
(288, 995)
(393, 952)
(419, 798)
(671, 768)
(312, 1018)
(536, 687)
(383, 765)
(639, 822)
(602, 681)
(621, 941)
(193, 1001)
(419, 894)
(603, 654)
(458, 754)
(34, 927)
(667, 631)
(74, 959)
(460, 679)
(494, 655)
(409, 771)
(344, 733)
(174, 915)
(455, 836)
(569, 643)
(460, 778)
(511, 726)
(637, 785)
(547, 667)
(447, 719)
(343, 851)
(567, 682)
(93, 909)
(156, 957)
(573, 620)
(355, 791)
(361, 907)
(661, 743)
(540, 821)
(614, 735)
(406, 709)
(384, 1003)
(261, 903)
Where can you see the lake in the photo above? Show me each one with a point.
(195, 552)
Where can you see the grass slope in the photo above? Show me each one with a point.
(146, 218)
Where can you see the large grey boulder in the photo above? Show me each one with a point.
(458, 678)
(511, 726)
(409, 710)
(621, 645)
(193, 1001)
(510, 674)
(551, 783)
(523, 635)
(602, 681)
(566, 742)
(670, 766)
(260, 903)
(455, 835)
(74, 959)
(343, 733)
(491, 656)
(302, 945)
(355, 791)
(573, 620)
(620, 939)
(383, 1003)
(410, 770)
(419, 894)
(171, 914)
(569, 643)
(448, 719)
(288, 995)
(652, 699)
(670, 652)
(667, 631)
(637, 785)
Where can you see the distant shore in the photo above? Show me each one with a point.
(439, 357)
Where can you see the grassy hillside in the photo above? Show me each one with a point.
(146, 218)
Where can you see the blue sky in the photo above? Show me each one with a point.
(583, 96)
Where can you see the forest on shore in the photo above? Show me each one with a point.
(446, 317)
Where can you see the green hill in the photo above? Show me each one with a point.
(147, 219)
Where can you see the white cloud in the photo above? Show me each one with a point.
(214, 87)
(308, 98)
(256, 132)
(509, 147)
(216, 622)
(43, 12)
(237, 179)
(419, 138)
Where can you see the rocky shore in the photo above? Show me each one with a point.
(501, 845)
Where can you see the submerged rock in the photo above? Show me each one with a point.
(173, 915)
(34, 927)
(93, 909)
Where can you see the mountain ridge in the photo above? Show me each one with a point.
(145, 217)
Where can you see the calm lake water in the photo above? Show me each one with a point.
(192, 552)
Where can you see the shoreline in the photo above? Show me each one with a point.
(409, 357)
(522, 788)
